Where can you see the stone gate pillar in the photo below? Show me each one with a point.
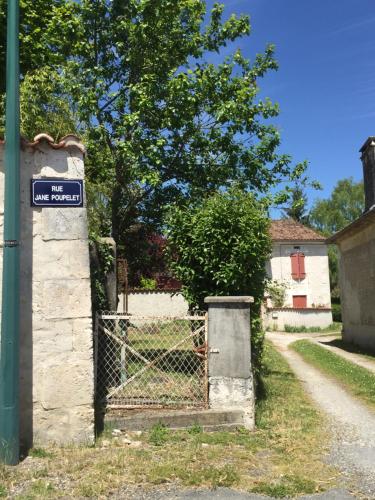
(230, 375)
(56, 353)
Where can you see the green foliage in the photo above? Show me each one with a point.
(148, 283)
(328, 216)
(195, 429)
(345, 204)
(336, 312)
(46, 31)
(221, 248)
(277, 292)
(334, 327)
(158, 435)
(101, 262)
(297, 208)
(162, 124)
(151, 106)
(287, 486)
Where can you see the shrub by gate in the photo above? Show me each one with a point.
(150, 362)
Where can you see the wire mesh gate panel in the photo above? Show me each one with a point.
(150, 362)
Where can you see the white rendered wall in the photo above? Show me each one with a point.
(316, 283)
(56, 353)
(276, 319)
(154, 303)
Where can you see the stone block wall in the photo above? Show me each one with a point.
(56, 348)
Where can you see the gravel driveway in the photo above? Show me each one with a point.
(351, 423)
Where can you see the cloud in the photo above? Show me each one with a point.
(354, 26)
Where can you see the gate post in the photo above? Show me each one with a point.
(230, 377)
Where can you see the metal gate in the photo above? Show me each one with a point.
(150, 362)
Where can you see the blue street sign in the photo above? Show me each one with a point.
(56, 193)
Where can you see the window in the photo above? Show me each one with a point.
(300, 301)
(298, 266)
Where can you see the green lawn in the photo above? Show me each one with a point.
(357, 380)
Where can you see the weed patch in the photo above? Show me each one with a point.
(40, 453)
(334, 327)
(158, 435)
(288, 486)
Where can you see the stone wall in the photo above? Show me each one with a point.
(56, 352)
(154, 303)
(357, 275)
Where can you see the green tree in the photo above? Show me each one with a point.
(328, 216)
(221, 248)
(161, 122)
(345, 204)
(45, 34)
(297, 208)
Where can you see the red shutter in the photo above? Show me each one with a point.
(298, 266)
(295, 266)
(299, 301)
(301, 266)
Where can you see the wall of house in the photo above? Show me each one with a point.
(276, 319)
(154, 303)
(357, 283)
(56, 348)
(316, 283)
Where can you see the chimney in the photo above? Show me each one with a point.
(368, 162)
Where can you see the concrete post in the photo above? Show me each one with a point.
(230, 376)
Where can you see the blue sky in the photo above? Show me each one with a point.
(326, 81)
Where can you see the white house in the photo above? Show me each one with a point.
(299, 264)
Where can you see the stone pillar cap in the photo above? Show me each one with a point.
(247, 299)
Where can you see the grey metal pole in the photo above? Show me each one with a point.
(9, 353)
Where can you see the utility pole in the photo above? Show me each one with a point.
(9, 353)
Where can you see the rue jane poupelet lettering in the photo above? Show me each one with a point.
(57, 195)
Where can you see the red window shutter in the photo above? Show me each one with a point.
(295, 266)
(301, 265)
(298, 266)
(299, 301)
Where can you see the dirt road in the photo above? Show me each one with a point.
(352, 424)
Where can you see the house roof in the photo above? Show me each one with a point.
(68, 141)
(291, 230)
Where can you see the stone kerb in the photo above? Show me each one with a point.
(56, 353)
(230, 375)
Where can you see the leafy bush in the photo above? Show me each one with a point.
(277, 292)
(221, 248)
(336, 312)
(148, 283)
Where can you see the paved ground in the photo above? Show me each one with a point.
(351, 423)
(218, 494)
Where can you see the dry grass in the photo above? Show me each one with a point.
(283, 457)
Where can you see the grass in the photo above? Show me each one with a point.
(334, 327)
(351, 348)
(282, 457)
(357, 380)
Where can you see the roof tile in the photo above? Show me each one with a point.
(291, 230)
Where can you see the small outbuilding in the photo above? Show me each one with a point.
(356, 244)
(299, 277)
